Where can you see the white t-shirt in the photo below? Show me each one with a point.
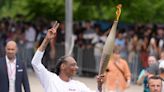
(51, 82)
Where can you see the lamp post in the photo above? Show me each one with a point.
(68, 27)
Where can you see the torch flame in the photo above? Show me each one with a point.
(118, 12)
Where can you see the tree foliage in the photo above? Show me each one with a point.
(142, 11)
(50, 9)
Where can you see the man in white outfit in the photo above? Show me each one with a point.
(66, 68)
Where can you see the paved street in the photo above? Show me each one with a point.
(90, 82)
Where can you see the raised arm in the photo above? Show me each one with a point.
(38, 67)
(50, 35)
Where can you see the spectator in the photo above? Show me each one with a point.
(12, 71)
(160, 39)
(88, 34)
(98, 42)
(144, 52)
(161, 69)
(80, 40)
(153, 48)
(121, 42)
(145, 73)
(155, 84)
(117, 76)
(30, 35)
(161, 57)
(133, 58)
(60, 38)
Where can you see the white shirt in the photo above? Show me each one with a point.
(11, 69)
(98, 45)
(30, 35)
(51, 82)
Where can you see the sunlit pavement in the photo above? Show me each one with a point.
(90, 82)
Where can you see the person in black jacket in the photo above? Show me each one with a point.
(12, 71)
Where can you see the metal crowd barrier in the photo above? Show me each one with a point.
(84, 57)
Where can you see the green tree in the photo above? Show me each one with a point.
(142, 11)
(13, 7)
(50, 9)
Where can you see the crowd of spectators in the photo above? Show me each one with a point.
(137, 41)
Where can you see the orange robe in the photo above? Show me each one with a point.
(114, 79)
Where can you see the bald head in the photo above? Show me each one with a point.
(13, 43)
(11, 50)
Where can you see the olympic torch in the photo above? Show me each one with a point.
(109, 44)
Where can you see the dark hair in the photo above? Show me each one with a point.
(155, 77)
(60, 61)
(116, 49)
(161, 70)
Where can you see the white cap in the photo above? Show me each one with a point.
(161, 65)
